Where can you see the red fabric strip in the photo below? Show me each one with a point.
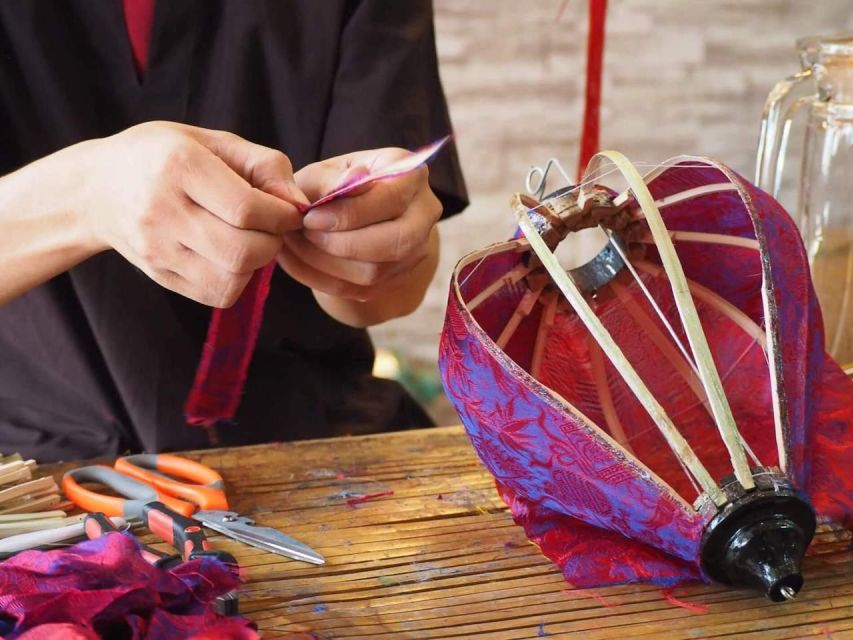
(594, 60)
(227, 352)
(139, 17)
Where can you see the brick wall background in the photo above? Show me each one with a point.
(680, 76)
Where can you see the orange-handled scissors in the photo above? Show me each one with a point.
(165, 473)
(187, 487)
(142, 479)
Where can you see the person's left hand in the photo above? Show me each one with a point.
(368, 244)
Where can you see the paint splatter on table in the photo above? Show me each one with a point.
(441, 558)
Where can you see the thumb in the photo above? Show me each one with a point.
(264, 168)
(322, 178)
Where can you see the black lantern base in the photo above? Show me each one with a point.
(759, 537)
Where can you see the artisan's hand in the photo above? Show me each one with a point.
(368, 256)
(197, 210)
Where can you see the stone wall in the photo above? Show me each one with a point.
(680, 76)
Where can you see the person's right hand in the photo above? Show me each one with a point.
(196, 210)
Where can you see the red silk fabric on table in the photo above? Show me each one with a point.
(105, 589)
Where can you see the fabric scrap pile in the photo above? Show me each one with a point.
(104, 588)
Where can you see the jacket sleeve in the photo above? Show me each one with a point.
(388, 92)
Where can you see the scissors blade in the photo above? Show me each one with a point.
(245, 530)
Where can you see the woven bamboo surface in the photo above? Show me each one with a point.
(441, 557)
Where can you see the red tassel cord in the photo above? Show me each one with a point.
(594, 64)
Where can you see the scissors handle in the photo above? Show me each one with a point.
(206, 488)
(97, 525)
(136, 494)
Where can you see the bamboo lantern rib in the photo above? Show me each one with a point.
(676, 441)
(659, 170)
(772, 347)
(687, 370)
(651, 300)
(718, 302)
(699, 236)
(525, 306)
(599, 375)
(508, 279)
(689, 318)
(687, 194)
(546, 321)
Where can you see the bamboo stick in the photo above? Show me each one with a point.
(699, 236)
(718, 302)
(611, 417)
(40, 485)
(659, 170)
(780, 418)
(14, 473)
(525, 306)
(546, 321)
(696, 192)
(19, 517)
(510, 278)
(689, 318)
(27, 526)
(12, 465)
(654, 304)
(676, 441)
(685, 369)
(27, 505)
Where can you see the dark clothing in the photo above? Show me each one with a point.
(100, 359)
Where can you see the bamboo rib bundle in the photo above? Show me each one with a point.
(27, 503)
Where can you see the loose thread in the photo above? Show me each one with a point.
(368, 497)
(700, 609)
(591, 594)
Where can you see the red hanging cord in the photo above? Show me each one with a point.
(594, 59)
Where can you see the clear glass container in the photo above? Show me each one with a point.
(820, 99)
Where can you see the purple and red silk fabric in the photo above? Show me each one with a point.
(105, 589)
(608, 515)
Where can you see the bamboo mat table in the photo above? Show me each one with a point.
(441, 557)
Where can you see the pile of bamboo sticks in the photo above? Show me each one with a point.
(29, 504)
